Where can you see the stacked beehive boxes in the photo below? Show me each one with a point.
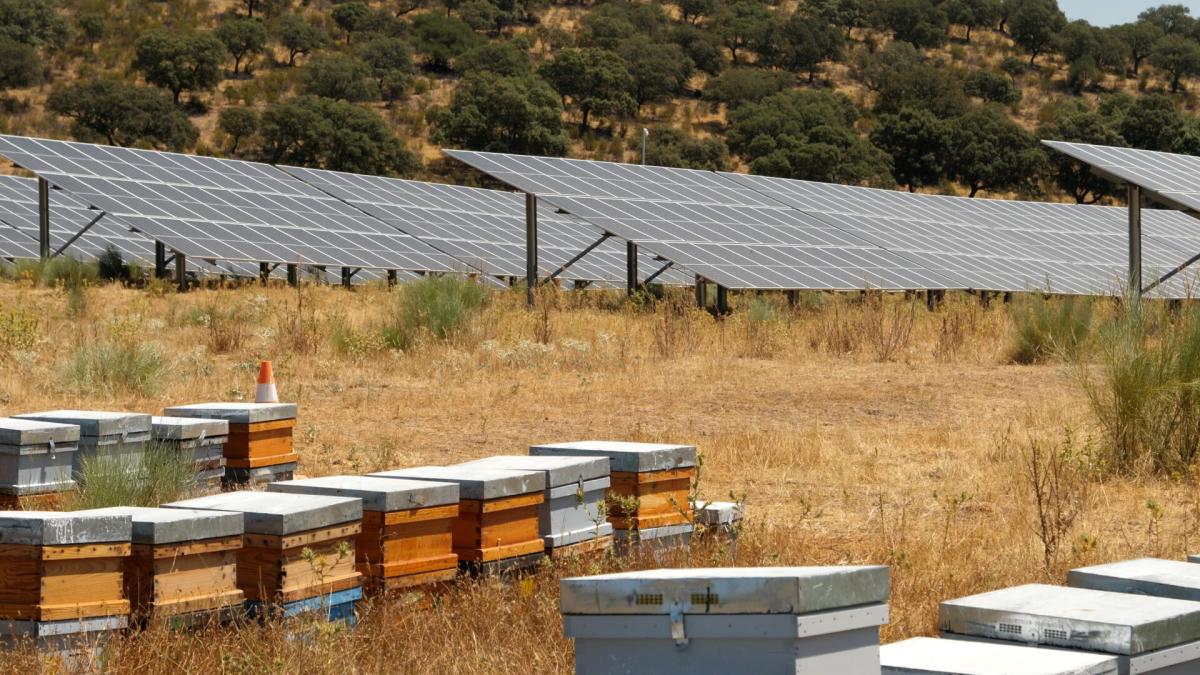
(200, 440)
(572, 519)
(36, 460)
(259, 447)
(496, 530)
(649, 498)
(297, 551)
(1145, 634)
(931, 656)
(727, 620)
(61, 577)
(183, 568)
(407, 530)
(118, 439)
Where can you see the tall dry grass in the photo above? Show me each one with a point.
(923, 460)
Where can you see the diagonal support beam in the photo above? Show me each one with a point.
(78, 234)
(1161, 280)
(662, 269)
(591, 247)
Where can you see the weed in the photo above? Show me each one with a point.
(1044, 329)
(439, 307)
(760, 322)
(160, 475)
(887, 325)
(112, 366)
(19, 332)
(1058, 478)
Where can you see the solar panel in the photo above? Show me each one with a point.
(728, 233)
(484, 228)
(1167, 177)
(222, 209)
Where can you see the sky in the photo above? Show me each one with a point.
(1110, 12)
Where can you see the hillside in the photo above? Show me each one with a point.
(937, 95)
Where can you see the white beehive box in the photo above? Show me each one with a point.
(119, 437)
(1146, 634)
(1145, 576)
(196, 438)
(931, 656)
(36, 457)
(728, 620)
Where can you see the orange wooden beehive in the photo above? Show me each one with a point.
(407, 532)
(497, 525)
(62, 566)
(184, 564)
(259, 447)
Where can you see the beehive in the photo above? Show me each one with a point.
(200, 440)
(1145, 634)
(650, 481)
(36, 459)
(295, 548)
(407, 532)
(184, 564)
(1145, 576)
(59, 568)
(727, 620)
(653, 539)
(496, 529)
(573, 511)
(117, 438)
(931, 656)
(259, 448)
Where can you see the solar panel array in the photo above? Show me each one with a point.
(732, 235)
(1171, 178)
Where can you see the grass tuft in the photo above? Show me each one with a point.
(1048, 329)
(162, 475)
(438, 307)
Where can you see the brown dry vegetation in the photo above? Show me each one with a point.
(920, 460)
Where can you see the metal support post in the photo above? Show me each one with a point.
(1135, 242)
(264, 273)
(293, 274)
(181, 280)
(391, 278)
(160, 260)
(701, 292)
(347, 275)
(631, 268)
(722, 300)
(793, 298)
(531, 247)
(44, 218)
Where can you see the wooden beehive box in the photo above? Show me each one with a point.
(295, 547)
(36, 459)
(184, 564)
(200, 440)
(259, 448)
(572, 518)
(119, 438)
(407, 534)
(497, 525)
(655, 476)
(62, 566)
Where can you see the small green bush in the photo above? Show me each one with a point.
(1044, 329)
(117, 367)
(439, 307)
(163, 475)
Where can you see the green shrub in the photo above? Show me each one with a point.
(68, 273)
(111, 265)
(1045, 328)
(439, 307)
(117, 367)
(163, 475)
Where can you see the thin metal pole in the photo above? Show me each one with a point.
(44, 218)
(293, 274)
(1135, 242)
(631, 267)
(531, 247)
(181, 272)
(160, 260)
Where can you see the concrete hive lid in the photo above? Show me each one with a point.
(238, 413)
(280, 513)
(17, 431)
(187, 428)
(559, 470)
(1079, 618)
(475, 482)
(1148, 576)
(726, 590)
(623, 456)
(95, 423)
(718, 513)
(377, 494)
(173, 526)
(63, 528)
(931, 656)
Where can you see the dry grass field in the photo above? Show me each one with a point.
(857, 431)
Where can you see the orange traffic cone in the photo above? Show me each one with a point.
(266, 385)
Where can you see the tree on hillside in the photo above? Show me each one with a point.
(873, 68)
(921, 23)
(610, 24)
(1035, 25)
(701, 46)
(20, 65)
(659, 70)
(242, 37)
(988, 151)
(338, 77)
(122, 114)
(391, 64)
(692, 11)
(922, 85)
(740, 24)
(1170, 19)
(845, 14)
(180, 63)
(917, 142)
(1179, 56)
(502, 58)
(991, 86)
(1078, 123)
(738, 86)
(1149, 122)
(595, 81)
(668, 146)
(326, 134)
(237, 124)
(802, 43)
(1139, 40)
(441, 38)
(298, 36)
(352, 18)
(502, 114)
(971, 14)
(267, 7)
(33, 22)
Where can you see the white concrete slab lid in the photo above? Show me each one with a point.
(16, 431)
(378, 494)
(237, 413)
(931, 656)
(95, 423)
(1149, 576)
(559, 470)
(1079, 618)
(280, 513)
(476, 482)
(626, 456)
(187, 428)
(726, 590)
(157, 526)
(62, 528)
